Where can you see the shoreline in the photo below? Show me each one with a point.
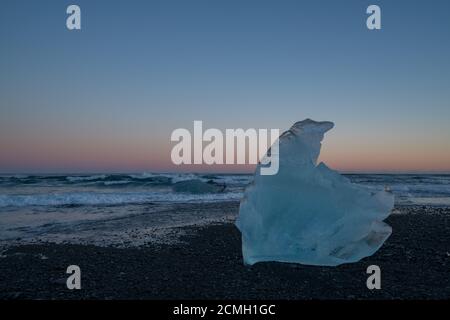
(207, 264)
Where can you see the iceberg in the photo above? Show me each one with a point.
(308, 213)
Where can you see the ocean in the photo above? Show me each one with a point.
(98, 206)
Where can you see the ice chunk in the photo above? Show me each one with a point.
(197, 186)
(308, 213)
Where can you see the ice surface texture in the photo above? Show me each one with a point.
(308, 213)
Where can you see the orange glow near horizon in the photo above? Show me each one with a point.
(62, 154)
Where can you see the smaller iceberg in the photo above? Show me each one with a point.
(198, 186)
(308, 213)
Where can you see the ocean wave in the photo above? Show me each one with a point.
(142, 179)
(154, 178)
(85, 178)
(90, 198)
(404, 186)
(410, 190)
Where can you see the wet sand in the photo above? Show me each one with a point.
(207, 264)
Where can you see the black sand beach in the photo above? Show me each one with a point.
(207, 264)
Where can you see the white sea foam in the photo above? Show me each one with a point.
(438, 201)
(90, 198)
(175, 177)
(86, 178)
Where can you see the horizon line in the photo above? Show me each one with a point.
(207, 173)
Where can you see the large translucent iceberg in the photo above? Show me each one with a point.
(308, 213)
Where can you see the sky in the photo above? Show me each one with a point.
(106, 98)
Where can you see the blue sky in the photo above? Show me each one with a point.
(107, 98)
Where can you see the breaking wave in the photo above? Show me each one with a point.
(114, 189)
(88, 198)
(143, 179)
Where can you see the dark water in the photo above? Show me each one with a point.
(116, 189)
(100, 204)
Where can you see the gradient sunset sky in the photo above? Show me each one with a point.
(107, 98)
